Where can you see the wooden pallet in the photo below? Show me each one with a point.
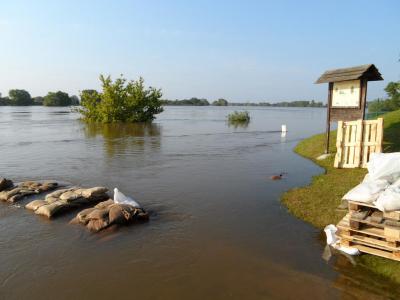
(369, 239)
(355, 206)
(356, 140)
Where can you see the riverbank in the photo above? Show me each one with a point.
(317, 203)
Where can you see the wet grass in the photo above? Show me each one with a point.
(317, 203)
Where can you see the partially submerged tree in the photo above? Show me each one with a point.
(20, 97)
(121, 101)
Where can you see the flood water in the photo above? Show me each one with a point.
(217, 227)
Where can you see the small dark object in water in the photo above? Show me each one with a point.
(277, 177)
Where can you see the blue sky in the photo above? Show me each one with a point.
(239, 50)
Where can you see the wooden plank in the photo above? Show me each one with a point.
(357, 149)
(394, 215)
(352, 140)
(392, 232)
(346, 140)
(377, 252)
(370, 241)
(339, 145)
(379, 135)
(367, 130)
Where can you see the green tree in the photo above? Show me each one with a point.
(38, 100)
(57, 99)
(74, 100)
(389, 104)
(20, 97)
(220, 102)
(121, 101)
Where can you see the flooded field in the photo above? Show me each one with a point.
(217, 228)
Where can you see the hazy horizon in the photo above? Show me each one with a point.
(243, 52)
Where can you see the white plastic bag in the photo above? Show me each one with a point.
(122, 199)
(367, 191)
(384, 166)
(334, 241)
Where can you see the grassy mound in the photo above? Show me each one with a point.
(317, 202)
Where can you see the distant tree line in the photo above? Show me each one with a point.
(298, 103)
(18, 97)
(392, 102)
(192, 101)
(223, 102)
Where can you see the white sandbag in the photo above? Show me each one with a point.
(122, 199)
(384, 166)
(334, 241)
(389, 200)
(367, 191)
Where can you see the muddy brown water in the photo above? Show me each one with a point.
(217, 228)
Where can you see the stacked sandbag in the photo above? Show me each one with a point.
(109, 213)
(67, 199)
(5, 184)
(11, 193)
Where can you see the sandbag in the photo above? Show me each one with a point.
(35, 204)
(367, 191)
(98, 214)
(82, 215)
(389, 200)
(119, 214)
(51, 209)
(384, 166)
(96, 225)
(104, 204)
(94, 192)
(5, 184)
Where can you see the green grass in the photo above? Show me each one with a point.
(317, 202)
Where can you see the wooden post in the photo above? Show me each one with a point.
(328, 117)
(363, 95)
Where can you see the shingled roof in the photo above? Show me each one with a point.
(369, 72)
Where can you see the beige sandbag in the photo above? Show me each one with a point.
(94, 191)
(104, 204)
(51, 209)
(97, 224)
(58, 193)
(98, 213)
(5, 184)
(118, 214)
(82, 215)
(69, 196)
(35, 204)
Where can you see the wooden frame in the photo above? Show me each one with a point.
(356, 140)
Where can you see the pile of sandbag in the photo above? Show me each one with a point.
(108, 213)
(381, 186)
(67, 199)
(11, 193)
(5, 184)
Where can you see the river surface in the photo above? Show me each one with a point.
(217, 227)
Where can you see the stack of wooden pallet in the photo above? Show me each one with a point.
(370, 230)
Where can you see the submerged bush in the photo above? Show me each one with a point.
(121, 101)
(239, 117)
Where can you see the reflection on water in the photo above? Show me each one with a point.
(238, 124)
(122, 139)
